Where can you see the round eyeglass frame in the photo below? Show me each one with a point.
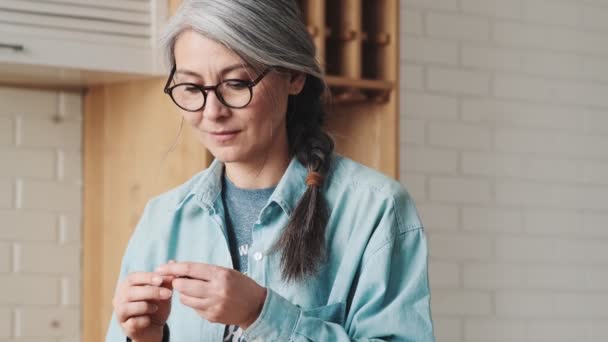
(205, 90)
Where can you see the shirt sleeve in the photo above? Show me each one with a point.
(391, 301)
(131, 261)
(165, 334)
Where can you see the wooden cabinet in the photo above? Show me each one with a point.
(357, 43)
(79, 42)
(129, 127)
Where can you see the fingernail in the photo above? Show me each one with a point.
(165, 293)
(153, 308)
(157, 280)
(162, 268)
(172, 261)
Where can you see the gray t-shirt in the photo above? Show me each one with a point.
(241, 210)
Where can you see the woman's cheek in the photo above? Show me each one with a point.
(192, 118)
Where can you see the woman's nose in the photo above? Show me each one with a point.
(214, 108)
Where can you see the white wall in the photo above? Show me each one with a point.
(505, 149)
(40, 215)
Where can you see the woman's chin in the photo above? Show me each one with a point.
(227, 155)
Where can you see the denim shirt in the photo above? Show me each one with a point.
(373, 285)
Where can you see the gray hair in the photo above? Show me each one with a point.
(271, 33)
(261, 32)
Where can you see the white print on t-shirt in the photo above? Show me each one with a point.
(244, 249)
(234, 334)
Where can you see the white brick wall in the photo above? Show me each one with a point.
(40, 215)
(505, 149)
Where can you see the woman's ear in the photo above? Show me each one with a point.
(296, 83)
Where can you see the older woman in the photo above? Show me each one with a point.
(280, 239)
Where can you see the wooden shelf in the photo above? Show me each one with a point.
(346, 90)
(357, 45)
(340, 81)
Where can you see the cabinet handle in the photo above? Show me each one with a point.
(313, 31)
(14, 47)
(349, 35)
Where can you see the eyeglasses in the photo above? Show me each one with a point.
(233, 93)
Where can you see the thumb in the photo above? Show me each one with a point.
(167, 279)
(167, 282)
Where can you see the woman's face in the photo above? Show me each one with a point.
(234, 135)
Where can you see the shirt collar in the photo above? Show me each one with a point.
(291, 187)
(206, 189)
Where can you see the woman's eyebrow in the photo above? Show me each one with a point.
(224, 71)
(233, 67)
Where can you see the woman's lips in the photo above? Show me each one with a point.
(224, 136)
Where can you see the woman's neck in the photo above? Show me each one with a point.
(260, 173)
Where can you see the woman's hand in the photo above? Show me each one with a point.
(218, 294)
(142, 304)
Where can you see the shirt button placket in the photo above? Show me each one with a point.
(256, 268)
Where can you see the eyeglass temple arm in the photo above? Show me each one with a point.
(169, 79)
(259, 78)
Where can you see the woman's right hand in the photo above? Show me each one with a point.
(142, 304)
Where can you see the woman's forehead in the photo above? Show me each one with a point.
(180, 70)
(197, 53)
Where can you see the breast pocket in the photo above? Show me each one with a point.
(334, 313)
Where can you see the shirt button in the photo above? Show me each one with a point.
(257, 256)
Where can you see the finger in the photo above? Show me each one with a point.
(192, 287)
(139, 293)
(207, 307)
(201, 304)
(165, 278)
(144, 278)
(135, 324)
(192, 270)
(168, 282)
(132, 309)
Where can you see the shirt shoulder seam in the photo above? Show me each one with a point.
(387, 243)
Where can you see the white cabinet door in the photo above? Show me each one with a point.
(115, 36)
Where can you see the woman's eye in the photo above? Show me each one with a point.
(192, 90)
(236, 84)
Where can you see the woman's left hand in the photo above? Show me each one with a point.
(218, 294)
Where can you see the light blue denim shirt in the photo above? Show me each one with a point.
(373, 287)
